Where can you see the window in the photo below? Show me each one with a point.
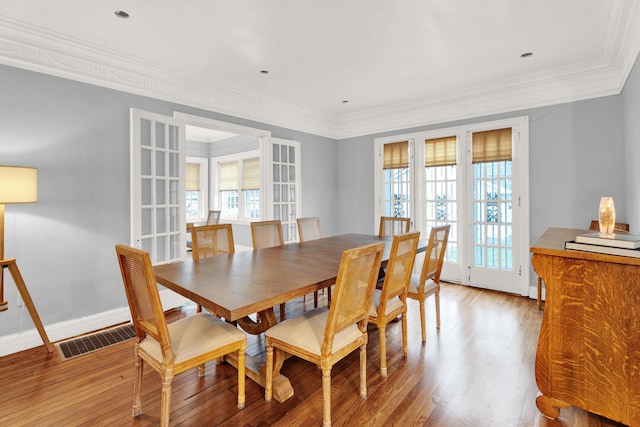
(239, 187)
(196, 186)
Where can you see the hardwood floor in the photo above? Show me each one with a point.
(477, 370)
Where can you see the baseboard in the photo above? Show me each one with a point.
(25, 340)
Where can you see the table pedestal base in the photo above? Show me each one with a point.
(255, 366)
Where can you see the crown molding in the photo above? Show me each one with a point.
(25, 46)
(28, 47)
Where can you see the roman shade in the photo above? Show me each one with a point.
(440, 151)
(491, 146)
(193, 177)
(229, 176)
(251, 174)
(396, 155)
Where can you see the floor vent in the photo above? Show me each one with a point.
(95, 341)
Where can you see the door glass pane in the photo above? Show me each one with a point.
(174, 165)
(160, 192)
(493, 215)
(160, 139)
(145, 162)
(160, 159)
(441, 204)
(292, 174)
(161, 248)
(161, 221)
(173, 138)
(397, 195)
(147, 226)
(146, 196)
(145, 133)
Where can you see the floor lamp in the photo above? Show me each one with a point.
(18, 185)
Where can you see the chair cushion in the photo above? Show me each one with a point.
(307, 331)
(392, 305)
(412, 292)
(195, 335)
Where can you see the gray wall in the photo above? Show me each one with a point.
(77, 135)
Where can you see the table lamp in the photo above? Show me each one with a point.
(18, 184)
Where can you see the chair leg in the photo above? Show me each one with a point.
(201, 371)
(315, 299)
(165, 403)
(329, 296)
(281, 312)
(137, 382)
(423, 321)
(268, 381)
(241, 377)
(326, 397)
(363, 371)
(437, 295)
(405, 349)
(383, 350)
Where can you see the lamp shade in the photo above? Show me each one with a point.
(18, 184)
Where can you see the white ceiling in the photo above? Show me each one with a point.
(399, 63)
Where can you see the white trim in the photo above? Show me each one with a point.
(25, 340)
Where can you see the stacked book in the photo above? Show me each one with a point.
(617, 244)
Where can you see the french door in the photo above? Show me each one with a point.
(483, 197)
(158, 202)
(283, 178)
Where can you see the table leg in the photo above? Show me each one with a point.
(255, 366)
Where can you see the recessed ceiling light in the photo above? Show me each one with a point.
(346, 101)
(264, 71)
(121, 14)
(526, 55)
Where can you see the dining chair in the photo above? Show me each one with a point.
(268, 234)
(391, 301)
(176, 347)
(391, 225)
(211, 240)
(309, 229)
(325, 336)
(427, 283)
(594, 225)
(213, 217)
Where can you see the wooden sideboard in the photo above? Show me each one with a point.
(589, 347)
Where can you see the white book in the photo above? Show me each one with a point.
(599, 249)
(618, 240)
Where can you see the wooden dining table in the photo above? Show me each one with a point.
(238, 285)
